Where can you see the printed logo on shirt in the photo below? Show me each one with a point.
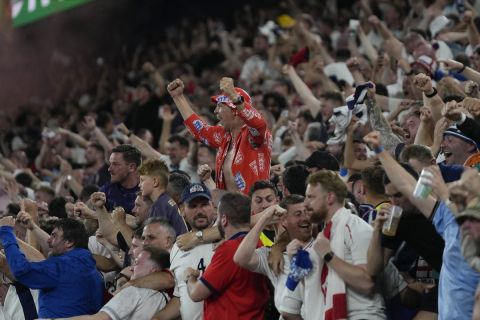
(254, 132)
(238, 157)
(261, 161)
(253, 166)
(204, 141)
(198, 125)
(239, 181)
(171, 202)
(248, 114)
(252, 143)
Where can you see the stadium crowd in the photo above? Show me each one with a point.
(256, 169)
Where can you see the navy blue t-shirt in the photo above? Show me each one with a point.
(451, 173)
(166, 208)
(118, 196)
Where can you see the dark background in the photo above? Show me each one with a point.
(36, 59)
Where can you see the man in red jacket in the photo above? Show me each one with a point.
(243, 140)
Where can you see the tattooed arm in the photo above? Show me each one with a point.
(379, 123)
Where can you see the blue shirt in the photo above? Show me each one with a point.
(457, 280)
(118, 196)
(450, 173)
(69, 284)
(165, 207)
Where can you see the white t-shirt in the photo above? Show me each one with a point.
(135, 303)
(12, 308)
(278, 283)
(357, 237)
(197, 258)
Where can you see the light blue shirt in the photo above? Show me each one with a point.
(458, 280)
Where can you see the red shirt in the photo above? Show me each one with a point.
(252, 147)
(237, 293)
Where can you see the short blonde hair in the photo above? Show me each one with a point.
(330, 182)
(154, 168)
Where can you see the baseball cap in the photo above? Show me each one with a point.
(473, 212)
(427, 63)
(222, 98)
(322, 160)
(455, 132)
(195, 190)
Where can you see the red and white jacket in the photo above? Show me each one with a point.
(252, 147)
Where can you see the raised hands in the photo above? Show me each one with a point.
(148, 67)
(25, 220)
(204, 172)
(373, 139)
(98, 199)
(226, 85)
(451, 65)
(165, 112)
(175, 88)
(272, 214)
(453, 111)
(423, 82)
(81, 210)
(119, 216)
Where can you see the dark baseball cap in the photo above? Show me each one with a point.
(195, 190)
(322, 160)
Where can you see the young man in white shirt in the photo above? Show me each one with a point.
(338, 282)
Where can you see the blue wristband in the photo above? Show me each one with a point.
(378, 149)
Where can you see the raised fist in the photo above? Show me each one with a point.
(226, 85)
(98, 199)
(175, 88)
(373, 139)
(423, 82)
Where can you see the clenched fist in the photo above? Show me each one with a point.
(175, 88)
(423, 82)
(226, 85)
(98, 199)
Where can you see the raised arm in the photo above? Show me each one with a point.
(349, 160)
(245, 111)
(398, 176)
(459, 67)
(378, 122)
(377, 256)
(424, 83)
(90, 124)
(175, 89)
(303, 90)
(245, 256)
(34, 275)
(108, 229)
(120, 220)
(36, 237)
(74, 137)
(425, 129)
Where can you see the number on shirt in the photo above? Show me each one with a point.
(201, 265)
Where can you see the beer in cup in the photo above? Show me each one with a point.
(390, 226)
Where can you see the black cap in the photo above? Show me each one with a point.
(322, 160)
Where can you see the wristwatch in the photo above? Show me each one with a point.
(199, 235)
(328, 256)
